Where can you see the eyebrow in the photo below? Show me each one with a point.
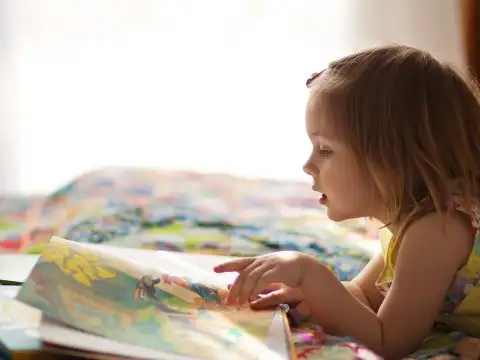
(321, 134)
(328, 138)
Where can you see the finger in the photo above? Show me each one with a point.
(299, 314)
(243, 278)
(270, 288)
(282, 296)
(266, 301)
(238, 283)
(303, 310)
(250, 269)
(251, 281)
(267, 278)
(235, 265)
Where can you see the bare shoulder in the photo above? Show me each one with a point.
(452, 233)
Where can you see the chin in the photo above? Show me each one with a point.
(337, 216)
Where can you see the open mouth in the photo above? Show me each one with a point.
(323, 199)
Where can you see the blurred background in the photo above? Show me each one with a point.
(211, 85)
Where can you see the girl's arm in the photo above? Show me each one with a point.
(432, 251)
(363, 285)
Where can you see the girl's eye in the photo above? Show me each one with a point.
(323, 151)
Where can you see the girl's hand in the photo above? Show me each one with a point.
(277, 294)
(257, 273)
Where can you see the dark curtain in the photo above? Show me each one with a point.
(470, 15)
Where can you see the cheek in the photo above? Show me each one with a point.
(350, 186)
(362, 194)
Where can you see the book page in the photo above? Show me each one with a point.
(14, 268)
(54, 332)
(130, 302)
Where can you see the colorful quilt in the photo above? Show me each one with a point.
(196, 213)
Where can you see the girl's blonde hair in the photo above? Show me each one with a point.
(412, 122)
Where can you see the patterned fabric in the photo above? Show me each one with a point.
(460, 314)
(216, 214)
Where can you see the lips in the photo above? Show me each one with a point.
(323, 199)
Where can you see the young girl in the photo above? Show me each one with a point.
(396, 137)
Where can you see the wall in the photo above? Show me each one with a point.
(433, 25)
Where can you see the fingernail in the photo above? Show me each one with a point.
(255, 303)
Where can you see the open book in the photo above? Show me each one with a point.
(112, 302)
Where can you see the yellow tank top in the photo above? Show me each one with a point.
(461, 305)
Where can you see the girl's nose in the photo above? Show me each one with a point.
(309, 168)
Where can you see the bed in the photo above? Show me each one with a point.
(196, 213)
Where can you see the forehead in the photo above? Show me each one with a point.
(317, 119)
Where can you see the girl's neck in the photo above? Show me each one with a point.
(385, 220)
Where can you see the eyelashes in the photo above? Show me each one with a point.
(322, 151)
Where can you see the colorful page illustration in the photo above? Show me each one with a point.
(94, 291)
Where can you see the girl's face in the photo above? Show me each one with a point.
(335, 173)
